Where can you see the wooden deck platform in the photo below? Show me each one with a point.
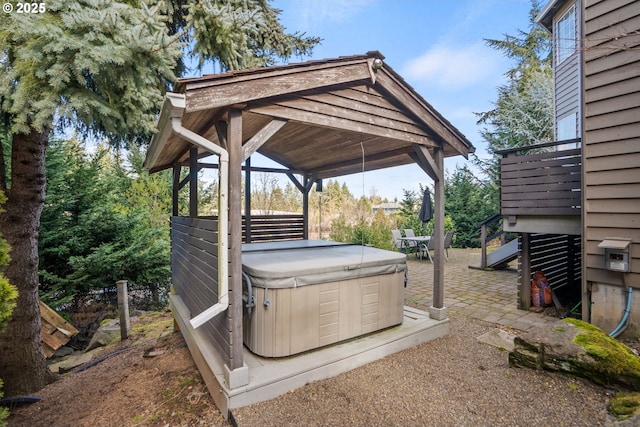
(265, 378)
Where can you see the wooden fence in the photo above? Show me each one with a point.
(540, 183)
(194, 271)
(269, 228)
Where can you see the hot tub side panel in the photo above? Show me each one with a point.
(288, 321)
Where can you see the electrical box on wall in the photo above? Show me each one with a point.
(616, 253)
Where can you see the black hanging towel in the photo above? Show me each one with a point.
(426, 211)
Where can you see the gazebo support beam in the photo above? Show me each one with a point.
(247, 200)
(193, 182)
(437, 309)
(177, 168)
(234, 141)
(434, 167)
(262, 136)
(304, 188)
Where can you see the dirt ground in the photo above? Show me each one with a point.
(149, 379)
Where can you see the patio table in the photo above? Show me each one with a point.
(419, 241)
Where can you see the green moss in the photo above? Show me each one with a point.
(4, 412)
(186, 381)
(105, 321)
(614, 357)
(558, 329)
(624, 405)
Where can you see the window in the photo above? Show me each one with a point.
(566, 35)
(568, 129)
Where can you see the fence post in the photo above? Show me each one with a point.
(123, 308)
(483, 245)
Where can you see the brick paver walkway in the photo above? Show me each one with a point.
(485, 295)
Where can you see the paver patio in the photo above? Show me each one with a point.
(485, 295)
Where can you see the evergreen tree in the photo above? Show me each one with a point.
(8, 293)
(96, 228)
(408, 204)
(152, 192)
(8, 296)
(468, 201)
(100, 66)
(523, 113)
(409, 210)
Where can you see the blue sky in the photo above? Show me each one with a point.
(437, 46)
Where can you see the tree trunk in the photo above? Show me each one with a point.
(23, 366)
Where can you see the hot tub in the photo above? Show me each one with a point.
(308, 294)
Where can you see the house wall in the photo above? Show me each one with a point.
(611, 154)
(194, 269)
(567, 78)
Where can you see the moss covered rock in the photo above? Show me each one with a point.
(578, 348)
(624, 406)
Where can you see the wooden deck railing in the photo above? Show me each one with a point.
(540, 180)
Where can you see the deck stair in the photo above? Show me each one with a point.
(491, 229)
(503, 255)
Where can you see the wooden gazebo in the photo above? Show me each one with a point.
(318, 119)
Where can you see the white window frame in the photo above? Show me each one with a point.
(567, 127)
(565, 35)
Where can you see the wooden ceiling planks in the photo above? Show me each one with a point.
(319, 115)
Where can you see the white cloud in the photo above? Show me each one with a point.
(454, 68)
(311, 14)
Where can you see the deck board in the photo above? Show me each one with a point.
(272, 377)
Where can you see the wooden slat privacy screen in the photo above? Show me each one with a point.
(269, 228)
(194, 270)
(541, 183)
(559, 258)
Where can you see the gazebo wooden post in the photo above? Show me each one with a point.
(305, 208)
(524, 297)
(247, 200)
(438, 310)
(434, 167)
(193, 182)
(175, 188)
(234, 141)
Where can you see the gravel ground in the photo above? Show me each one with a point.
(452, 381)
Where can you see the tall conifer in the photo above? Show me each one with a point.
(101, 67)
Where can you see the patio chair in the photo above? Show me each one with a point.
(428, 247)
(396, 239)
(408, 232)
(448, 238)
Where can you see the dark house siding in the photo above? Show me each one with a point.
(567, 83)
(611, 142)
(567, 76)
